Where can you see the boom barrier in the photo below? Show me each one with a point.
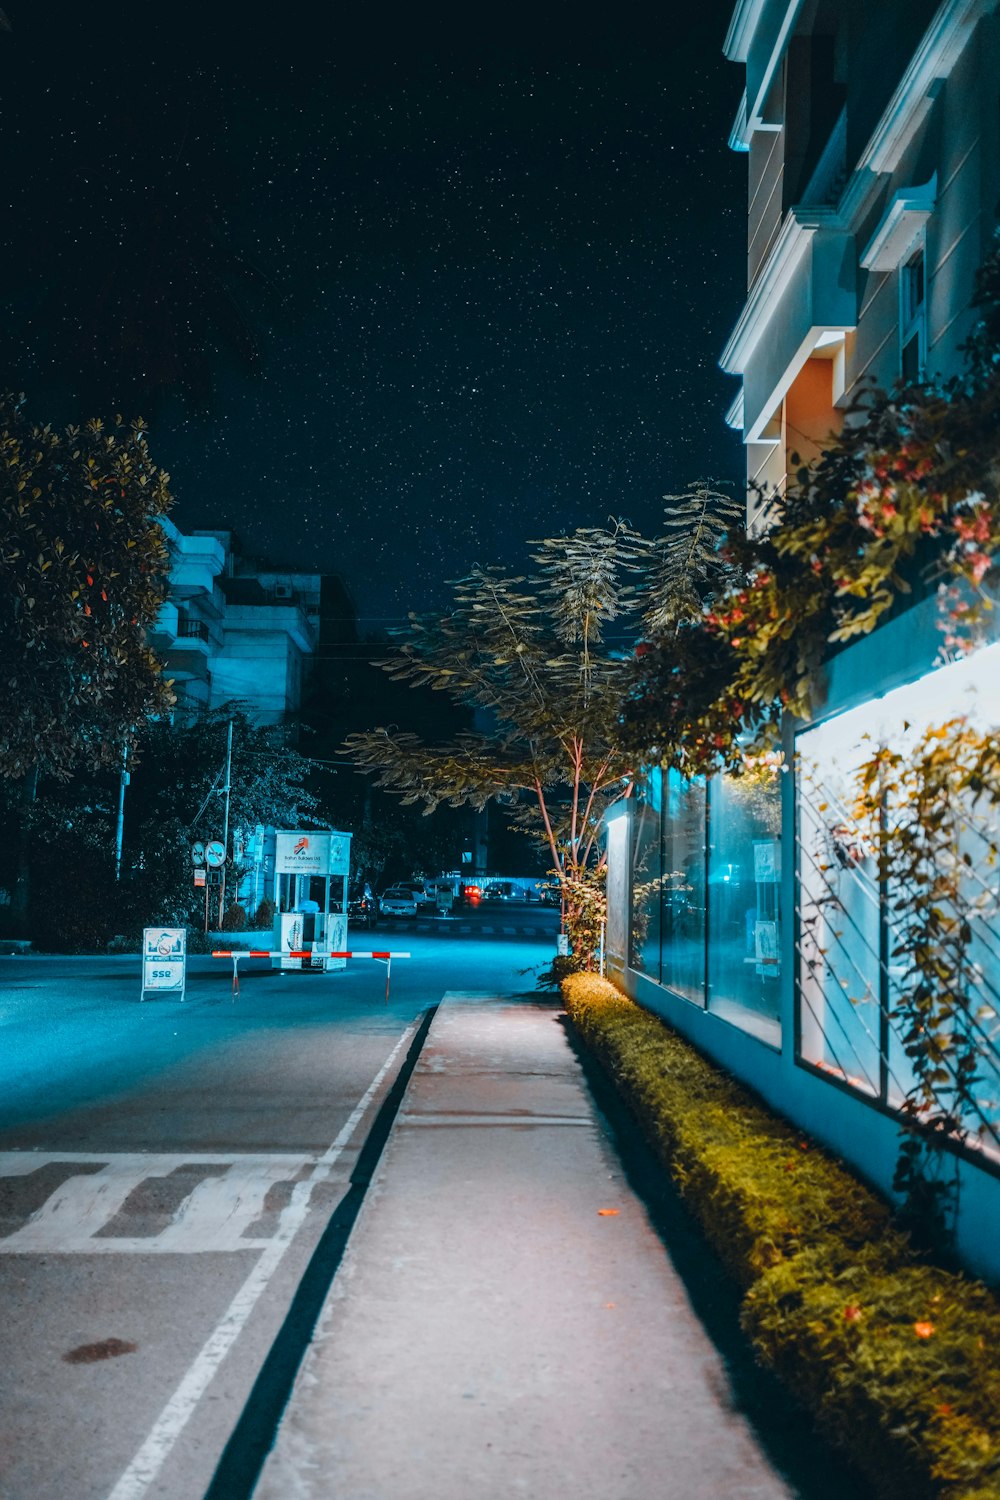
(386, 957)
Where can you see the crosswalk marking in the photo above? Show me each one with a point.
(214, 1214)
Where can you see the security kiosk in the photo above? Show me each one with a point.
(311, 868)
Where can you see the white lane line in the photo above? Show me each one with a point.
(147, 1463)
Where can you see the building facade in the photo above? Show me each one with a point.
(747, 911)
(231, 630)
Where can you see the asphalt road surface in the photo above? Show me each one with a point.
(166, 1172)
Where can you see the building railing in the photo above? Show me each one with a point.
(189, 627)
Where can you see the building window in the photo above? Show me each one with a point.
(685, 831)
(647, 877)
(743, 898)
(706, 883)
(912, 318)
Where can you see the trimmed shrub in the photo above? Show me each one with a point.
(234, 918)
(896, 1359)
(263, 917)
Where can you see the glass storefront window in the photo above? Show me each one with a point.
(644, 939)
(683, 904)
(743, 898)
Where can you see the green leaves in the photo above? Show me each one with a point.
(76, 675)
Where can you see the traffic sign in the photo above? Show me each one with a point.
(198, 854)
(215, 854)
(199, 876)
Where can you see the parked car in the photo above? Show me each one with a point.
(398, 901)
(419, 891)
(362, 912)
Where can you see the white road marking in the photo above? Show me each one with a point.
(149, 1460)
(74, 1212)
(215, 1214)
(212, 1216)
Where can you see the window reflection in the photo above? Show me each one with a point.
(684, 888)
(743, 889)
(706, 872)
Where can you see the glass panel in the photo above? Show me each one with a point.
(839, 959)
(744, 888)
(838, 920)
(644, 944)
(683, 904)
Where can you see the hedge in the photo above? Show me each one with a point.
(898, 1360)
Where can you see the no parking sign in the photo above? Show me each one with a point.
(164, 956)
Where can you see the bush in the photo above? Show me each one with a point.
(263, 917)
(121, 943)
(896, 1359)
(234, 918)
(199, 941)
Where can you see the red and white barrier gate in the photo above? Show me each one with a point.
(237, 953)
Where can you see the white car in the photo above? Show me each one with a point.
(398, 901)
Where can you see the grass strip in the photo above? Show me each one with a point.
(898, 1360)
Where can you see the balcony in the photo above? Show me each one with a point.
(190, 628)
(803, 299)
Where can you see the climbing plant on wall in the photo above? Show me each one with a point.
(908, 491)
(931, 813)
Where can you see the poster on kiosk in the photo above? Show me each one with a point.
(311, 869)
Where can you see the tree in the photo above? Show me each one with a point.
(83, 565)
(76, 902)
(177, 777)
(532, 655)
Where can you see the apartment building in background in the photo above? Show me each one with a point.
(744, 911)
(233, 629)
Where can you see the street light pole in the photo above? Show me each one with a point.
(225, 819)
(123, 781)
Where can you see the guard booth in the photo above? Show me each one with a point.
(311, 869)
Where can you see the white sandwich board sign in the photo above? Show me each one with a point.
(164, 960)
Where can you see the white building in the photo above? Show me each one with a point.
(231, 629)
(873, 141)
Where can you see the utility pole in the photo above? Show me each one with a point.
(123, 781)
(225, 819)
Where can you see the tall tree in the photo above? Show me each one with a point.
(82, 576)
(545, 660)
(83, 565)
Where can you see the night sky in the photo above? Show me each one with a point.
(485, 261)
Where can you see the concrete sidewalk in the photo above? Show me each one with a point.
(506, 1320)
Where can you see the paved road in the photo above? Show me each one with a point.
(166, 1170)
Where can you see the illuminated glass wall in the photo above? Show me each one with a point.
(743, 894)
(706, 868)
(855, 969)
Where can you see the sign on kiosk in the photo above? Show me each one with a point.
(312, 853)
(164, 953)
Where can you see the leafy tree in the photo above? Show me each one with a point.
(176, 796)
(688, 559)
(76, 903)
(535, 658)
(82, 576)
